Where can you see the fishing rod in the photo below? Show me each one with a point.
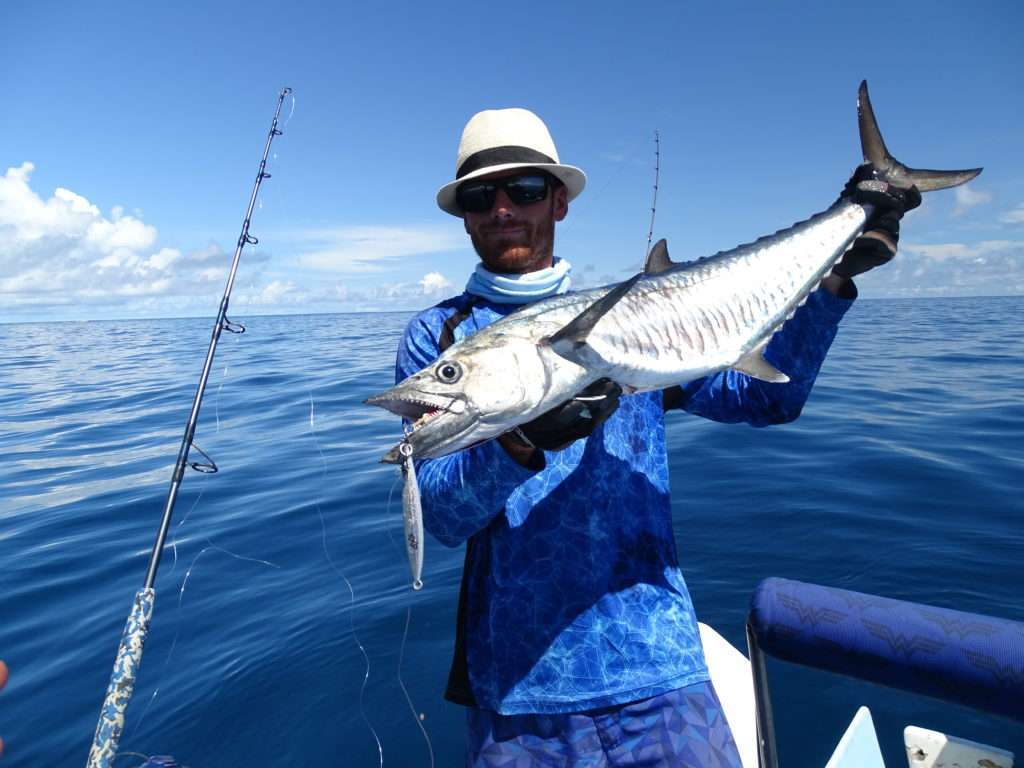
(129, 653)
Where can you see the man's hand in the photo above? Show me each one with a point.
(877, 244)
(566, 423)
(3, 682)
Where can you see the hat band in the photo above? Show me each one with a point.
(501, 156)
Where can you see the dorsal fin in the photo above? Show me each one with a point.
(658, 259)
(574, 334)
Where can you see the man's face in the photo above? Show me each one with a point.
(516, 239)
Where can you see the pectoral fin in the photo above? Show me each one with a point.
(754, 364)
(569, 340)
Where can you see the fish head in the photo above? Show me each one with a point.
(477, 389)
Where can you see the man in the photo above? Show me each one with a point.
(577, 643)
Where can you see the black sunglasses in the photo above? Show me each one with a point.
(478, 196)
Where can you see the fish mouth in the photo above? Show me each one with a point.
(435, 420)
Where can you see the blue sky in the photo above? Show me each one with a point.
(131, 134)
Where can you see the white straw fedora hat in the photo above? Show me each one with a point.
(503, 139)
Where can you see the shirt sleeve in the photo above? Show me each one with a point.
(462, 492)
(797, 349)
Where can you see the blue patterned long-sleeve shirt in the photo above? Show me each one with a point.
(574, 596)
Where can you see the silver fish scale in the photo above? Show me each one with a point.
(704, 316)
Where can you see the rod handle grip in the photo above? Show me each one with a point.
(122, 681)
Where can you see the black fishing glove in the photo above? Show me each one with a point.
(877, 243)
(573, 419)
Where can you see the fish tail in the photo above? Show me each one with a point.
(893, 170)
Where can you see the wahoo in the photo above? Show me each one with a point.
(671, 324)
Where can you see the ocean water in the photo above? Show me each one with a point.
(285, 633)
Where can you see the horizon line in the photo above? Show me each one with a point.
(407, 311)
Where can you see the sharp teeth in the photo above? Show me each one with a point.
(424, 419)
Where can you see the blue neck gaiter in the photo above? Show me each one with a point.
(520, 289)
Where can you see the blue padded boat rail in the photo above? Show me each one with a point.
(955, 656)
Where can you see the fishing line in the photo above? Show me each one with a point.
(348, 584)
(202, 490)
(123, 755)
(170, 575)
(582, 206)
(418, 717)
(151, 761)
(290, 113)
(585, 205)
(181, 596)
(412, 523)
(216, 400)
(174, 541)
(223, 378)
(286, 121)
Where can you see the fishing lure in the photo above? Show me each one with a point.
(412, 514)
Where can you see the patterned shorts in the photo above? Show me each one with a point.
(685, 728)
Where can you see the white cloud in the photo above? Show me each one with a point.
(62, 256)
(944, 251)
(967, 198)
(63, 250)
(163, 258)
(276, 292)
(1014, 215)
(120, 232)
(434, 283)
(987, 268)
(368, 248)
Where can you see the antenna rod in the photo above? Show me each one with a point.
(654, 201)
(129, 653)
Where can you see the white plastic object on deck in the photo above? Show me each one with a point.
(859, 746)
(933, 749)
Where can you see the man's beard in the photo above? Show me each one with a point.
(527, 247)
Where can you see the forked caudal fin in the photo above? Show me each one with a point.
(891, 169)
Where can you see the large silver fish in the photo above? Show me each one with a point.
(671, 324)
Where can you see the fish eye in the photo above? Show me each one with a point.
(448, 372)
